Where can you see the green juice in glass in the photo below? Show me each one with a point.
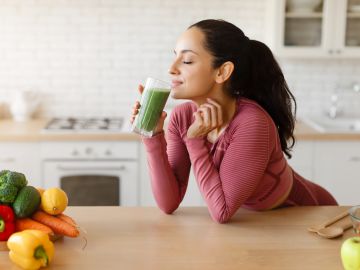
(151, 106)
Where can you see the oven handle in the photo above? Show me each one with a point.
(69, 168)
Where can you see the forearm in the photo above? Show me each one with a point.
(209, 181)
(165, 186)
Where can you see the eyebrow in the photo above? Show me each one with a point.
(187, 50)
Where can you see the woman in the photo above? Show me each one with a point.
(235, 130)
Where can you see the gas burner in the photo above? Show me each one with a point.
(85, 124)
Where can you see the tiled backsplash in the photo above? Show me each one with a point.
(86, 57)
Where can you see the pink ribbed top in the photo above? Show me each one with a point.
(245, 167)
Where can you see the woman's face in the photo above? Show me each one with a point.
(191, 71)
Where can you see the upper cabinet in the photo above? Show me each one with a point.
(314, 28)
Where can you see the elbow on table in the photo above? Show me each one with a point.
(168, 209)
(221, 218)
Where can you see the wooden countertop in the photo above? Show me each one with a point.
(145, 238)
(305, 132)
(32, 131)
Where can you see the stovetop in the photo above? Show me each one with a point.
(85, 125)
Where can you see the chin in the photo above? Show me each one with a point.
(176, 95)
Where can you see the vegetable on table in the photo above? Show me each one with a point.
(30, 249)
(54, 201)
(10, 184)
(7, 219)
(56, 224)
(68, 219)
(27, 202)
(30, 224)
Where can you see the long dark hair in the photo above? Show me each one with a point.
(256, 75)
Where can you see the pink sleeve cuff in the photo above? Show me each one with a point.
(155, 143)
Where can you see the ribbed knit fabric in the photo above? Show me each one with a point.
(245, 167)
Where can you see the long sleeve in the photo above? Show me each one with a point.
(243, 165)
(169, 166)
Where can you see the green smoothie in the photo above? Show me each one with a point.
(152, 104)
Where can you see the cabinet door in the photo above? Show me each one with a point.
(22, 157)
(337, 168)
(299, 33)
(303, 158)
(347, 30)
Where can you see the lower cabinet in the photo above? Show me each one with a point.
(335, 165)
(22, 157)
(337, 168)
(302, 159)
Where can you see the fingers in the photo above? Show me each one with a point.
(218, 111)
(211, 111)
(135, 111)
(212, 114)
(206, 114)
(136, 107)
(141, 88)
(198, 117)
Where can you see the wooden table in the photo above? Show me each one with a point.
(145, 238)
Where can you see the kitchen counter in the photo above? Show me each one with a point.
(145, 238)
(305, 132)
(32, 131)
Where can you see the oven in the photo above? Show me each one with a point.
(93, 172)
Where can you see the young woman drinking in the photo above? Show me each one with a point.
(235, 130)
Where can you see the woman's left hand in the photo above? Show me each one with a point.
(207, 118)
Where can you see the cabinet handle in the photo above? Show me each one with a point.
(338, 51)
(354, 159)
(331, 51)
(6, 160)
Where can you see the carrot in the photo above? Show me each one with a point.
(56, 224)
(30, 224)
(67, 219)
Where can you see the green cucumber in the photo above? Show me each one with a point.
(27, 202)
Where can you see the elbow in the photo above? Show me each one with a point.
(221, 218)
(167, 210)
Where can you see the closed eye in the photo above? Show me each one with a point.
(187, 62)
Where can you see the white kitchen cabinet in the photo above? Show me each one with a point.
(303, 158)
(329, 31)
(192, 196)
(22, 157)
(337, 168)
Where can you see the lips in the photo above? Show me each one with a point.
(175, 83)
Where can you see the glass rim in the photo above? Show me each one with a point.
(352, 209)
(159, 80)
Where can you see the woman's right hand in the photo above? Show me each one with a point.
(135, 111)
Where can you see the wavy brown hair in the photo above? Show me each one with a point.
(256, 75)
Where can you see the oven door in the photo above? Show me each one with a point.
(96, 183)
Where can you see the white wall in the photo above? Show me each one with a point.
(87, 56)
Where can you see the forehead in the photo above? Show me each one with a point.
(191, 39)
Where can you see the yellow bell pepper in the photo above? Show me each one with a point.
(30, 249)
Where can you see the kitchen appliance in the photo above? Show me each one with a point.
(92, 172)
(24, 104)
(72, 124)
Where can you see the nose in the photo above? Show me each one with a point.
(173, 70)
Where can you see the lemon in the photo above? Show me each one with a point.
(54, 201)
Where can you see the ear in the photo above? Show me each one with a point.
(224, 72)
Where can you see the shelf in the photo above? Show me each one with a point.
(303, 15)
